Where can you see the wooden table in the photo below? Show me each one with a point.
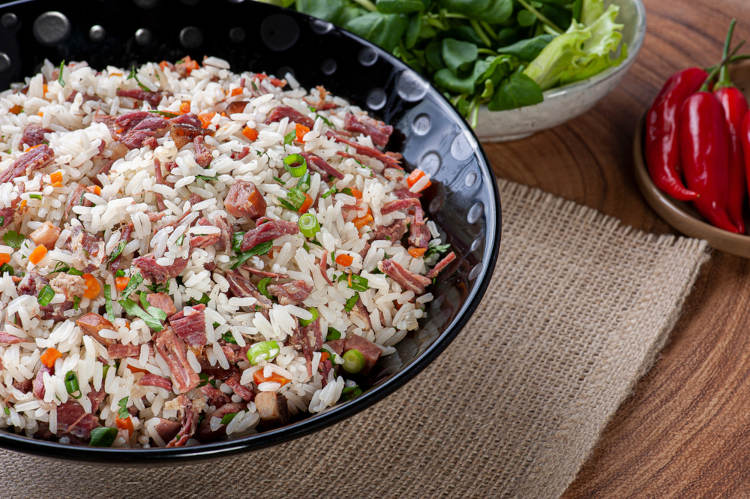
(686, 429)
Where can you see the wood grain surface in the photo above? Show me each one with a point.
(685, 432)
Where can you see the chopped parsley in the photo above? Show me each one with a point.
(76, 302)
(134, 76)
(122, 412)
(289, 138)
(207, 178)
(6, 268)
(118, 251)
(135, 280)
(228, 337)
(133, 309)
(259, 249)
(333, 334)
(228, 418)
(350, 392)
(13, 239)
(351, 302)
(108, 302)
(436, 249)
(330, 191)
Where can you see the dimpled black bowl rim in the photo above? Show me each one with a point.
(464, 200)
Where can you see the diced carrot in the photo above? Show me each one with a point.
(16, 109)
(250, 133)
(258, 378)
(362, 221)
(44, 89)
(224, 114)
(114, 74)
(356, 193)
(38, 253)
(121, 282)
(40, 114)
(33, 147)
(94, 189)
(190, 64)
(4, 258)
(277, 83)
(185, 107)
(93, 288)
(300, 131)
(206, 119)
(125, 424)
(236, 91)
(344, 259)
(349, 280)
(49, 357)
(56, 178)
(306, 204)
(163, 65)
(416, 252)
(22, 206)
(414, 177)
(136, 369)
(324, 356)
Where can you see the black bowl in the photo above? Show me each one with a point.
(464, 201)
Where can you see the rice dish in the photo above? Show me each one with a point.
(190, 254)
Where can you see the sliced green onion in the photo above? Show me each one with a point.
(35, 196)
(258, 249)
(354, 361)
(73, 271)
(237, 241)
(135, 280)
(330, 191)
(118, 251)
(76, 302)
(120, 273)
(204, 300)
(103, 436)
(346, 191)
(314, 312)
(154, 312)
(359, 283)
(60, 267)
(108, 302)
(229, 337)
(308, 225)
(277, 179)
(333, 334)
(136, 311)
(295, 198)
(351, 302)
(71, 384)
(166, 114)
(295, 164)
(289, 138)
(104, 371)
(262, 287)
(304, 182)
(13, 239)
(134, 76)
(206, 178)
(265, 350)
(350, 392)
(45, 296)
(228, 418)
(7, 411)
(122, 412)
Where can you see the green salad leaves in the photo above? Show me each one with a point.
(498, 53)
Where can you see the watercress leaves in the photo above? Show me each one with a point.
(517, 91)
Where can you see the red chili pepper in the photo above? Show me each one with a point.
(745, 141)
(735, 109)
(704, 153)
(662, 148)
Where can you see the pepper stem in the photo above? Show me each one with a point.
(715, 70)
(724, 80)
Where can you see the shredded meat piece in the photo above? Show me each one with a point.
(360, 310)
(393, 232)
(149, 379)
(185, 128)
(202, 152)
(153, 98)
(162, 301)
(88, 249)
(167, 429)
(92, 323)
(280, 112)
(204, 433)
(419, 234)
(159, 273)
(151, 126)
(33, 159)
(324, 268)
(290, 293)
(241, 154)
(447, 259)
(33, 135)
(263, 273)
(70, 285)
(74, 199)
(378, 131)
(96, 398)
(190, 325)
(272, 409)
(9, 339)
(237, 106)
(23, 386)
(245, 200)
(266, 232)
(243, 392)
(388, 159)
(241, 287)
(47, 235)
(400, 204)
(407, 279)
(6, 215)
(118, 351)
(189, 423)
(317, 163)
(173, 351)
(308, 339)
(72, 420)
(38, 383)
(215, 397)
(31, 284)
(56, 311)
(403, 193)
(324, 368)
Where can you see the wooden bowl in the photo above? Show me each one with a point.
(681, 215)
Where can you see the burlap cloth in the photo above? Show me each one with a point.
(577, 310)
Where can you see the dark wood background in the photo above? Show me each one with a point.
(686, 429)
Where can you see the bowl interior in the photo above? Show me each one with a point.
(252, 36)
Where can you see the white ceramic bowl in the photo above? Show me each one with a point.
(565, 103)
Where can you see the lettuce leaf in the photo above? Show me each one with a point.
(584, 50)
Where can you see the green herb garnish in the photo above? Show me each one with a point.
(351, 302)
(118, 251)
(103, 436)
(134, 76)
(60, 73)
(122, 412)
(259, 249)
(108, 302)
(13, 239)
(45, 295)
(135, 280)
(166, 114)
